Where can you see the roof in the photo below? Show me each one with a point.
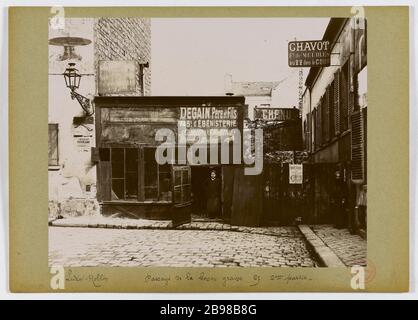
(260, 88)
(331, 34)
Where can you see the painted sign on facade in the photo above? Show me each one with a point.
(276, 114)
(223, 119)
(309, 53)
(82, 130)
(209, 117)
(295, 173)
(117, 77)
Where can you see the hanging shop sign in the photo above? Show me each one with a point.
(315, 53)
(276, 114)
(295, 173)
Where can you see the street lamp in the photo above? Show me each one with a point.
(72, 80)
(72, 77)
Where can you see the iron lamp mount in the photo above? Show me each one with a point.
(72, 80)
(84, 102)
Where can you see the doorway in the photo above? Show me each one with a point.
(206, 192)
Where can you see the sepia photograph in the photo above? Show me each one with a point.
(207, 142)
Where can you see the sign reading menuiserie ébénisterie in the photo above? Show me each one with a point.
(315, 53)
(209, 117)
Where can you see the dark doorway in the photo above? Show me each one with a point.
(206, 190)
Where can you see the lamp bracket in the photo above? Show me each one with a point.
(84, 102)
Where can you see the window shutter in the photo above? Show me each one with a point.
(330, 96)
(309, 132)
(95, 156)
(318, 125)
(344, 100)
(104, 178)
(315, 131)
(357, 145)
(337, 103)
(364, 118)
(326, 116)
(313, 125)
(341, 100)
(53, 144)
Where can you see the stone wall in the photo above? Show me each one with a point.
(125, 39)
(72, 208)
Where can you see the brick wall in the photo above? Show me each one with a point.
(125, 39)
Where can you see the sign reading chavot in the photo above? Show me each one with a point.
(313, 53)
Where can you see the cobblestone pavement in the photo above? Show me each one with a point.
(98, 221)
(351, 249)
(71, 246)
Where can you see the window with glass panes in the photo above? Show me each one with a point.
(124, 163)
(182, 184)
(157, 178)
(135, 175)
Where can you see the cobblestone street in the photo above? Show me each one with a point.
(71, 246)
(351, 249)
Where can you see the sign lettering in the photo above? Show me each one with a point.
(209, 117)
(295, 173)
(309, 53)
(276, 114)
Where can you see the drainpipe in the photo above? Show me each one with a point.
(141, 76)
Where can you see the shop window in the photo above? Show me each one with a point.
(53, 144)
(164, 182)
(150, 175)
(131, 173)
(157, 178)
(139, 180)
(124, 173)
(182, 184)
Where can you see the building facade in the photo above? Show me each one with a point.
(93, 45)
(132, 183)
(334, 122)
(258, 94)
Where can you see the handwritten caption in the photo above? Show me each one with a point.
(251, 279)
(96, 279)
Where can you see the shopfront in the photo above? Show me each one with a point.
(130, 181)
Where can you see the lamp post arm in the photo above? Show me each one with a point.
(84, 102)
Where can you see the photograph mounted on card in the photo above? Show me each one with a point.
(183, 156)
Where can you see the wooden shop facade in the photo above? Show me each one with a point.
(130, 182)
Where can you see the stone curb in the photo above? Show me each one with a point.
(164, 226)
(123, 225)
(326, 256)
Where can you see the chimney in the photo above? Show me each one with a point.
(228, 84)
